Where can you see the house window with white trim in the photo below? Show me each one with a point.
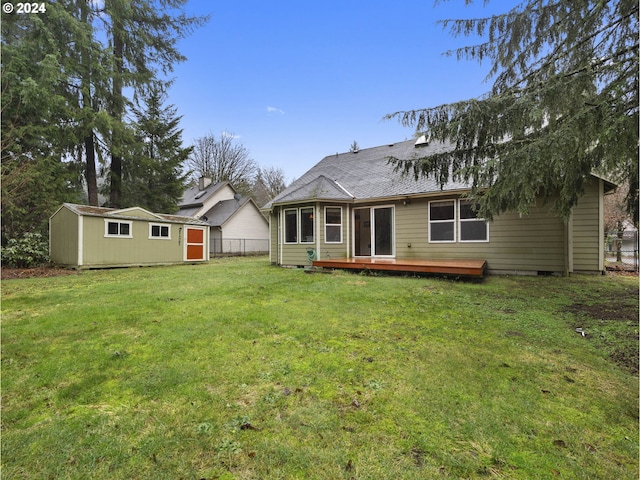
(442, 221)
(307, 231)
(113, 228)
(291, 226)
(159, 231)
(333, 224)
(472, 228)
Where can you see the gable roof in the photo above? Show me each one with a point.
(132, 213)
(224, 210)
(364, 175)
(194, 198)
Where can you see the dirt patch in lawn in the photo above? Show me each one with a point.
(610, 321)
(13, 273)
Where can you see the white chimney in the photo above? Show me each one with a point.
(204, 182)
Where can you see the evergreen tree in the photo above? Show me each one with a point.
(152, 177)
(143, 37)
(564, 104)
(38, 129)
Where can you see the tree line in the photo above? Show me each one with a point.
(84, 115)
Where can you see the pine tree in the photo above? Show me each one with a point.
(152, 177)
(143, 37)
(564, 104)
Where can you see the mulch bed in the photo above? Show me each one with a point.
(13, 273)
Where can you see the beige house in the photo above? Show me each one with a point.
(236, 224)
(354, 206)
(82, 236)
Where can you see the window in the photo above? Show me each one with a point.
(472, 228)
(299, 225)
(306, 225)
(291, 226)
(333, 224)
(159, 231)
(117, 229)
(442, 224)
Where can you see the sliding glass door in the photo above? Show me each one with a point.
(373, 232)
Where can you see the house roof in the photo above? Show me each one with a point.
(194, 198)
(365, 174)
(223, 211)
(91, 211)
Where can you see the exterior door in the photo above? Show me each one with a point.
(373, 232)
(195, 248)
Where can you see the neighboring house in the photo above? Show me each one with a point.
(236, 224)
(354, 206)
(82, 236)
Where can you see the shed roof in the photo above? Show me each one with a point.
(88, 210)
(366, 174)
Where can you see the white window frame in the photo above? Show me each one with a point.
(453, 220)
(332, 225)
(476, 219)
(159, 237)
(107, 221)
(284, 226)
(313, 226)
(298, 212)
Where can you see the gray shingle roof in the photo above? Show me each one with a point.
(194, 197)
(364, 175)
(223, 210)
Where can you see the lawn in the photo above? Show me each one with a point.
(238, 369)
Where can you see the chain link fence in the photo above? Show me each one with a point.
(239, 246)
(621, 250)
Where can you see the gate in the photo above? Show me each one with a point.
(621, 250)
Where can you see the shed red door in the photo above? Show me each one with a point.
(195, 244)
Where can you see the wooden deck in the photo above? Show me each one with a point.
(471, 267)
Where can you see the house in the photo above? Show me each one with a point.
(82, 236)
(236, 223)
(351, 210)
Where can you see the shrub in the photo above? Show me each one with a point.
(32, 250)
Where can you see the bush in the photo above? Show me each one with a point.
(32, 250)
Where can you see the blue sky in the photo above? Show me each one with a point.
(298, 80)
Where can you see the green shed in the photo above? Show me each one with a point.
(82, 236)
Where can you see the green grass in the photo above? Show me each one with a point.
(238, 369)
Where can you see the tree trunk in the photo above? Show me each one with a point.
(118, 112)
(90, 170)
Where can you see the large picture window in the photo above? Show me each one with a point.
(472, 228)
(442, 221)
(114, 228)
(333, 224)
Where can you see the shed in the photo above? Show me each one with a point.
(82, 236)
